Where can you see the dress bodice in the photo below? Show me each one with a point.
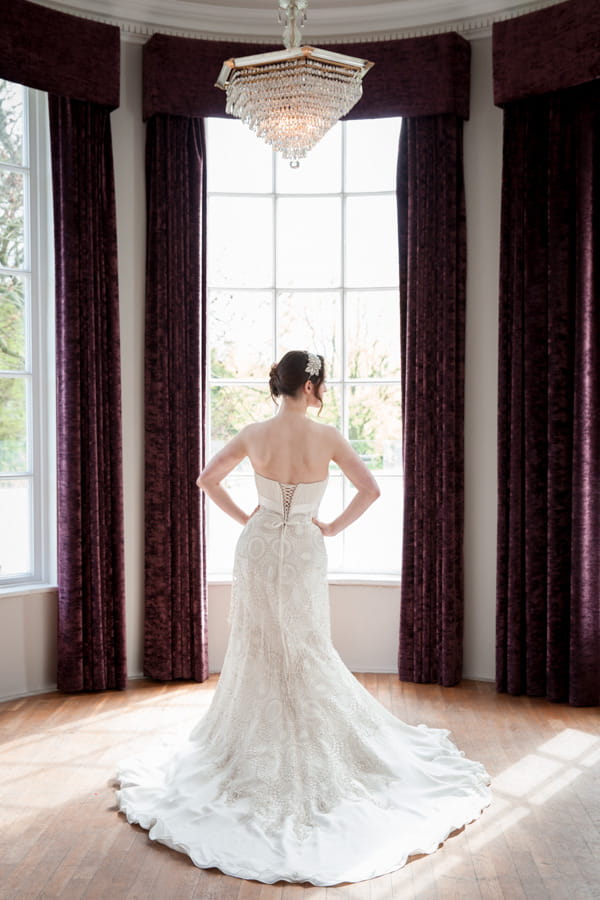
(289, 499)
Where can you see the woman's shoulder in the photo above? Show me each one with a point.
(254, 430)
(324, 428)
(323, 432)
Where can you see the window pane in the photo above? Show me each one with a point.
(12, 240)
(239, 322)
(319, 173)
(11, 123)
(371, 242)
(12, 322)
(375, 425)
(237, 161)
(308, 242)
(240, 242)
(375, 540)
(371, 154)
(373, 334)
(222, 529)
(15, 550)
(311, 321)
(234, 406)
(13, 425)
(331, 506)
(331, 414)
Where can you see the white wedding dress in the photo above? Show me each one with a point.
(296, 772)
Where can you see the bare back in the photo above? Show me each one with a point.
(292, 449)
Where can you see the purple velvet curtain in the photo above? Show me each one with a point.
(426, 78)
(91, 609)
(77, 62)
(175, 640)
(548, 580)
(431, 220)
(548, 620)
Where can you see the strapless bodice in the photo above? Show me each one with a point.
(289, 499)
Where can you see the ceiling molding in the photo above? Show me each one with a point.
(140, 19)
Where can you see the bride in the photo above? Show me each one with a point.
(296, 772)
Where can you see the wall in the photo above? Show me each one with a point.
(364, 617)
(483, 173)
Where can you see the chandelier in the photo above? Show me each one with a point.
(292, 97)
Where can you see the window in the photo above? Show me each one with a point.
(26, 353)
(307, 259)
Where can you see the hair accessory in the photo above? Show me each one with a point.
(313, 366)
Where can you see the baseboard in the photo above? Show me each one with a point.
(52, 688)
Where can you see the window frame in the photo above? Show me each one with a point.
(341, 383)
(39, 372)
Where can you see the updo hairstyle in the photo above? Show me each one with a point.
(289, 374)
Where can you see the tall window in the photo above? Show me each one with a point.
(307, 259)
(26, 354)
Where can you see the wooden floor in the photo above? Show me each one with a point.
(60, 835)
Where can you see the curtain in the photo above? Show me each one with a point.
(432, 240)
(91, 614)
(175, 640)
(426, 78)
(548, 577)
(548, 617)
(77, 62)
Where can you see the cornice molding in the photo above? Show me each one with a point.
(138, 20)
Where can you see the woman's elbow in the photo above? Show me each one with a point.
(373, 491)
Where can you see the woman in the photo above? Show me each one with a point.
(296, 772)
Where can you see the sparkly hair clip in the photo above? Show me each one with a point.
(313, 366)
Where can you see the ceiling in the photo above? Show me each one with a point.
(256, 20)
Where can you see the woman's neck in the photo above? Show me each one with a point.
(293, 406)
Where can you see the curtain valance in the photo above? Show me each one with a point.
(62, 54)
(546, 51)
(412, 77)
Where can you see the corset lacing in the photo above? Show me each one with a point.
(287, 496)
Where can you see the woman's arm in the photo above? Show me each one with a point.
(367, 488)
(217, 469)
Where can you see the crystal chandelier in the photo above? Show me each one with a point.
(292, 97)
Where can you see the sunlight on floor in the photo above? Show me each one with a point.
(57, 762)
(530, 782)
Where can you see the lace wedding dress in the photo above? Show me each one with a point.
(296, 772)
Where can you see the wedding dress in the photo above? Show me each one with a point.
(296, 772)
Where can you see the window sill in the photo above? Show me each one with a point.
(27, 588)
(337, 578)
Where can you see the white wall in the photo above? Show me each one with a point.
(483, 175)
(364, 617)
(27, 643)
(129, 136)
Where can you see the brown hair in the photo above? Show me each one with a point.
(289, 374)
